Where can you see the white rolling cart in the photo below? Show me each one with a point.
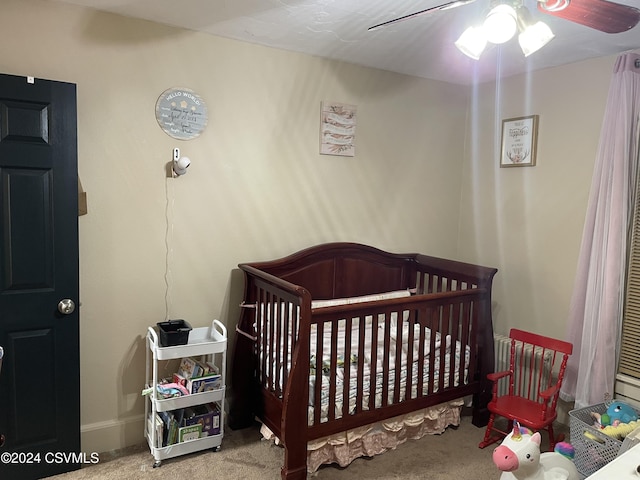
(209, 343)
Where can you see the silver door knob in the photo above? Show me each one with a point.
(66, 306)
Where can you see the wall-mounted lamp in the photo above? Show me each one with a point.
(179, 164)
(505, 18)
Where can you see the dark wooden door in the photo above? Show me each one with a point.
(40, 379)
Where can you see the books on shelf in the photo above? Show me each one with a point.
(204, 384)
(192, 368)
(197, 376)
(185, 424)
(191, 432)
(154, 422)
(188, 368)
(206, 415)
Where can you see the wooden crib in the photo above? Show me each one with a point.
(342, 335)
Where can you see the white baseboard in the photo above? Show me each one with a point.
(111, 435)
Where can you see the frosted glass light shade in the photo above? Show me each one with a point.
(534, 37)
(501, 24)
(472, 42)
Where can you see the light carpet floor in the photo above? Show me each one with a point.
(453, 455)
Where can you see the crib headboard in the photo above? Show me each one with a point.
(336, 270)
(343, 269)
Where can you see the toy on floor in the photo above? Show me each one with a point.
(519, 458)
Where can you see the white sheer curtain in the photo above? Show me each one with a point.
(595, 314)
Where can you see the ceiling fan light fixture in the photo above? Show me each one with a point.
(501, 24)
(534, 37)
(472, 42)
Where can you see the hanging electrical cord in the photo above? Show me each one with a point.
(168, 236)
(174, 169)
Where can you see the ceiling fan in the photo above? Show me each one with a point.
(602, 15)
(506, 17)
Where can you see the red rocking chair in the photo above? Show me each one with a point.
(528, 392)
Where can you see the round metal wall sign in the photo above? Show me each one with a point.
(181, 113)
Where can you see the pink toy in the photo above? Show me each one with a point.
(519, 458)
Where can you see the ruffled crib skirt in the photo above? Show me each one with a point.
(367, 441)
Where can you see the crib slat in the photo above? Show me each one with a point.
(385, 365)
(272, 342)
(333, 368)
(286, 349)
(434, 326)
(410, 355)
(267, 345)
(317, 398)
(346, 374)
(445, 329)
(373, 380)
(360, 379)
(455, 334)
(397, 366)
(277, 319)
(422, 336)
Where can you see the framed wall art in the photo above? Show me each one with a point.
(181, 113)
(519, 142)
(338, 129)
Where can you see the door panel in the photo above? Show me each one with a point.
(40, 378)
(25, 121)
(25, 427)
(30, 244)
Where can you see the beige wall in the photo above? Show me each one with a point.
(528, 221)
(256, 189)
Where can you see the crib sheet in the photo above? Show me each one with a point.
(404, 362)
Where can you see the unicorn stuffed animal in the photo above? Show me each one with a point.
(519, 458)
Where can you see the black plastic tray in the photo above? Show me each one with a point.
(174, 332)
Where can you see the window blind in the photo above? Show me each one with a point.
(629, 361)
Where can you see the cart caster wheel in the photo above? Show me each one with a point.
(157, 464)
(217, 449)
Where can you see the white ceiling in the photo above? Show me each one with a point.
(337, 29)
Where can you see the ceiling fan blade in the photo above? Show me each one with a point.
(600, 15)
(444, 6)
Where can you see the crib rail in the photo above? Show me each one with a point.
(389, 357)
(367, 361)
